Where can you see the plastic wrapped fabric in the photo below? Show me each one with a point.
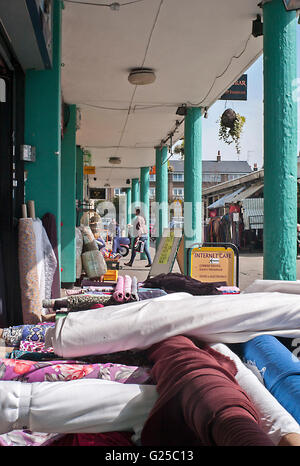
(134, 290)
(79, 247)
(49, 223)
(94, 264)
(28, 271)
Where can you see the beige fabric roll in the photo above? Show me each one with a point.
(29, 281)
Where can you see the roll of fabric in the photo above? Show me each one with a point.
(148, 293)
(30, 371)
(94, 264)
(276, 421)
(223, 319)
(134, 289)
(28, 269)
(79, 302)
(49, 223)
(200, 398)
(277, 367)
(79, 247)
(48, 407)
(50, 264)
(127, 287)
(118, 294)
(282, 286)
(39, 250)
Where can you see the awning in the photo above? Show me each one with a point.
(253, 213)
(225, 199)
(246, 193)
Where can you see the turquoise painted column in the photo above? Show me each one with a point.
(192, 179)
(68, 198)
(161, 192)
(135, 183)
(145, 199)
(43, 130)
(280, 142)
(128, 206)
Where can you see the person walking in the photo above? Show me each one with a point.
(140, 233)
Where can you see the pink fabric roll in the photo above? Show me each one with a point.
(127, 287)
(118, 294)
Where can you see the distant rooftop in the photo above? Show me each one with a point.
(214, 166)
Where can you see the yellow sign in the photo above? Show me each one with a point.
(89, 170)
(166, 251)
(212, 264)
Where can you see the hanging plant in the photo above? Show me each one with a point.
(231, 127)
(179, 149)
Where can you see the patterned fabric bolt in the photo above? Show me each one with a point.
(29, 282)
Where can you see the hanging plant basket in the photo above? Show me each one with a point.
(231, 127)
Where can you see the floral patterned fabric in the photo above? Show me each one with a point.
(33, 347)
(53, 371)
(35, 333)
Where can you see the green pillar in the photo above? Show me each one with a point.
(68, 197)
(192, 179)
(145, 200)
(128, 206)
(161, 192)
(135, 195)
(280, 142)
(43, 130)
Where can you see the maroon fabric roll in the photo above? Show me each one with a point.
(106, 439)
(195, 386)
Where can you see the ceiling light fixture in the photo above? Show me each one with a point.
(114, 160)
(141, 76)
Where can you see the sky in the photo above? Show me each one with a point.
(252, 109)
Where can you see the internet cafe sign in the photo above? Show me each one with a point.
(212, 264)
(238, 91)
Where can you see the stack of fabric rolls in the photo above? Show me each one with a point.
(207, 366)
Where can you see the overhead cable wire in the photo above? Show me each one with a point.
(110, 5)
(222, 74)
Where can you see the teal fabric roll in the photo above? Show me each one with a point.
(278, 368)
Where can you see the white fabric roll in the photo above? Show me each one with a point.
(85, 405)
(215, 319)
(267, 286)
(275, 420)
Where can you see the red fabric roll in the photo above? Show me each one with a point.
(195, 387)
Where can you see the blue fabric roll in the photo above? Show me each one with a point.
(279, 369)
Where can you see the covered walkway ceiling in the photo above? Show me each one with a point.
(197, 49)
